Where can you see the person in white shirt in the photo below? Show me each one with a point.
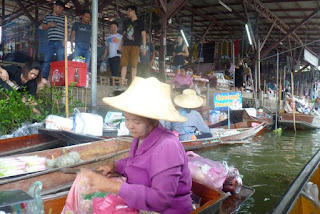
(112, 49)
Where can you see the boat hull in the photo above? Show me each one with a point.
(92, 155)
(295, 201)
(238, 116)
(212, 142)
(46, 139)
(302, 121)
(212, 201)
(56, 184)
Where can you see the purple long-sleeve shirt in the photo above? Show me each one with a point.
(158, 177)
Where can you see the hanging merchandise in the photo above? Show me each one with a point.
(224, 48)
(208, 52)
(236, 48)
(243, 48)
(195, 51)
(200, 52)
(216, 49)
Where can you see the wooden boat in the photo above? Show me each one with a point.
(92, 154)
(303, 121)
(295, 200)
(237, 116)
(240, 137)
(56, 184)
(212, 201)
(28, 143)
(46, 139)
(70, 137)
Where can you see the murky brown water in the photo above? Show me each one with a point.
(269, 164)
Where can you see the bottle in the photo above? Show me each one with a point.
(76, 76)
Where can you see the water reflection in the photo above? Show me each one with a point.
(269, 164)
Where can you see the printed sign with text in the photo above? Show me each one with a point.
(222, 100)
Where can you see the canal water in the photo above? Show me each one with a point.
(269, 164)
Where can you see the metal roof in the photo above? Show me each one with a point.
(202, 19)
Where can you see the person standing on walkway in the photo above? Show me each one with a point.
(112, 49)
(180, 51)
(81, 35)
(146, 61)
(54, 24)
(134, 35)
(238, 76)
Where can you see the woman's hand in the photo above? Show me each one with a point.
(98, 182)
(4, 75)
(106, 169)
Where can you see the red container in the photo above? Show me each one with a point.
(77, 72)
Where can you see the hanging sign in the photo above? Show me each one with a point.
(312, 59)
(221, 101)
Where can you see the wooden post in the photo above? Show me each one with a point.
(162, 54)
(264, 92)
(280, 92)
(3, 14)
(36, 32)
(294, 104)
(253, 89)
(66, 65)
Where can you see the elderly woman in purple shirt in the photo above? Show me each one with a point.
(158, 177)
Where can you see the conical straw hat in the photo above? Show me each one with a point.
(188, 99)
(148, 98)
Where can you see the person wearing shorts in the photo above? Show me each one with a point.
(134, 35)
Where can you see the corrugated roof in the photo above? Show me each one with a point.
(225, 25)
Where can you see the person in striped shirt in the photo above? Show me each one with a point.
(54, 24)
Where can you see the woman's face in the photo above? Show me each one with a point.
(179, 39)
(138, 126)
(33, 74)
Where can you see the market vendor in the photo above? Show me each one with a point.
(182, 81)
(238, 76)
(157, 174)
(15, 77)
(194, 127)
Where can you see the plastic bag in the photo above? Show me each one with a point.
(311, 191)
(103, 66)
(78, 202)
(35, 206)
(58, 123)
(112, 204)
(207, 172)
(233, 182)
(87, 123)
(25, 129)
